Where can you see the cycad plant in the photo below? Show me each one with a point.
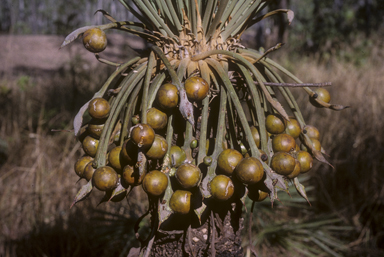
(196, 123)
(307, 234)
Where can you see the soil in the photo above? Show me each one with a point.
(38, 55)
(218, 234)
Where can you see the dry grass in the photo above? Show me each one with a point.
(37, 179)
(352, 192)
(354, 140)
(38, 183)
(353, 136)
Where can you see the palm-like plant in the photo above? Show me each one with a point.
(200, 39)
(308, 234)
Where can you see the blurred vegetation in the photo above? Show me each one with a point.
(348, 30)
(36, 172)
(325, 28)
(54, 17)
(337, 41)
(319, 25)
(345, 29)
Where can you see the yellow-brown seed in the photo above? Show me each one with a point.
(180, 201)
(196, 88)
(105, 178)
(95, 40)
(222, 188)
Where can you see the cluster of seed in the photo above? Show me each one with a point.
(288, 158)
(123, 160)
(146, 143)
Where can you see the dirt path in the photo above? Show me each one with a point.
(22, 54)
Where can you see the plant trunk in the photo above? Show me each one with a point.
(218, 235)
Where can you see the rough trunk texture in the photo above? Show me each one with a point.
(218, 235)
